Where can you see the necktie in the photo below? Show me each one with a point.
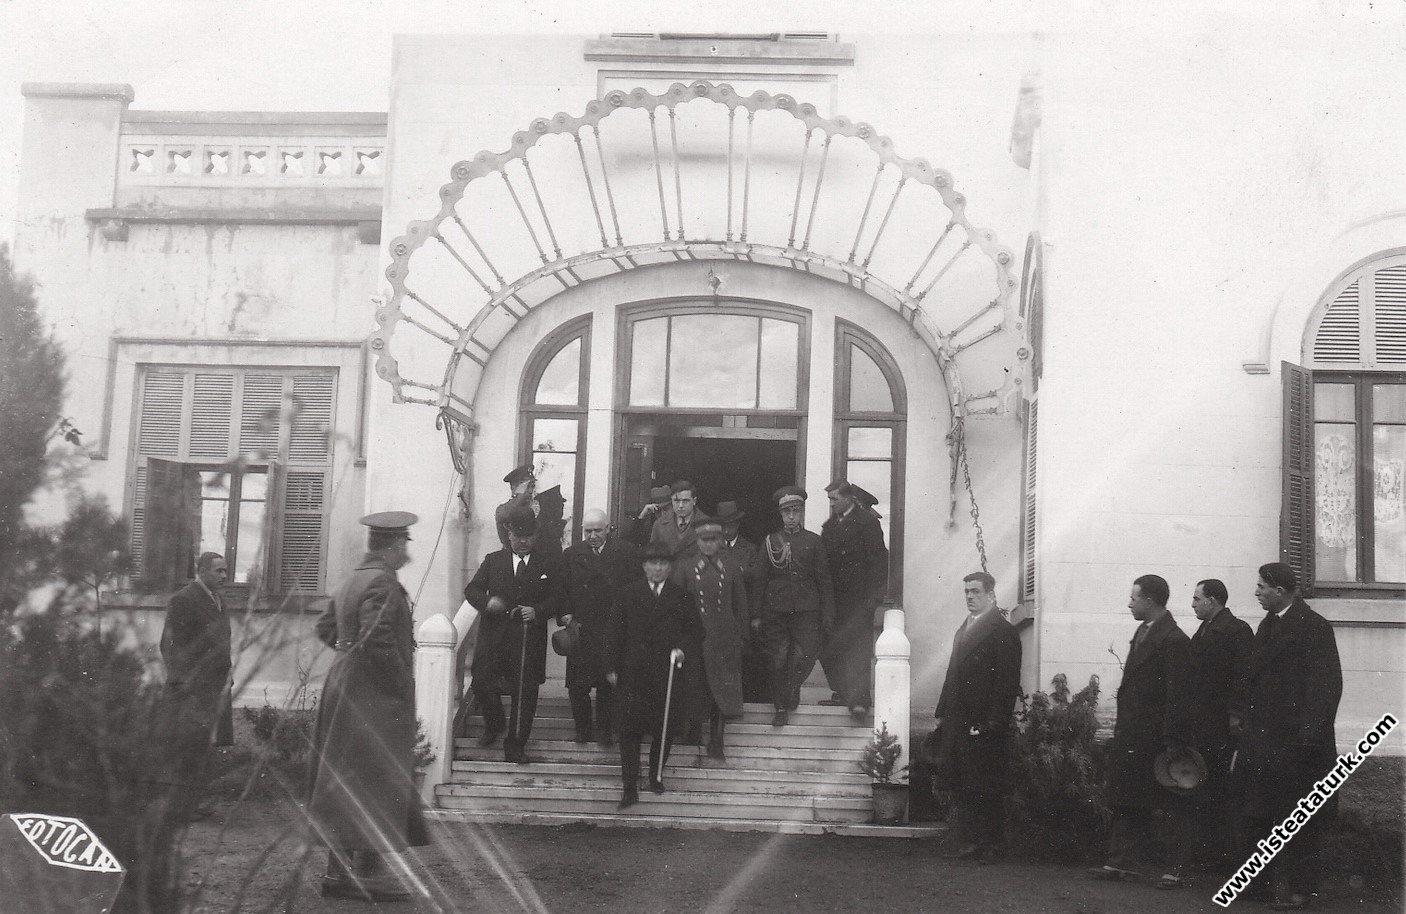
(656, 588)
(521, 569)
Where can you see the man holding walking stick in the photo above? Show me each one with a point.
(515, 589)
(654, 631)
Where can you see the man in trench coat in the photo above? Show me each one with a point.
(363, 803)
(195, 644)
(859, 568)
(516, 590)
(596, 569)
(1294, 684)
(717, 586)
(974, 714)
(1155, 707)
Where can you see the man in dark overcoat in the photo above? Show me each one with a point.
(1220, 654)
(798, 606)
(1155, 702)
(595, 568)
(195, 644)
(859, 568)
(717, 587)
(756, 668)
(974, 715)
(363, 803)
(1293, 686)
(674, 528)
(515, 591)
(651, 618)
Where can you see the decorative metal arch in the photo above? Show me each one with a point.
(493, 214)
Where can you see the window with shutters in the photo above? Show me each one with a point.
(871, 411)
(1343, 518)
(235, 461)
(553, 400)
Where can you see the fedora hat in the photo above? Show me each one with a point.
(1182, 771)
(728, 513)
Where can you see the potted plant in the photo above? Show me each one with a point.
(889, 785)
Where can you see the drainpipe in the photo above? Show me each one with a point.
(892, 686)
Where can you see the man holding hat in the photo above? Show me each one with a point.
(659, 498)
(549, 507)
(363, 803)
(718, 590)
(515, 590)
(1155, 702)
(859, 565)
(798, 605)
(675, 528)
(651, 618)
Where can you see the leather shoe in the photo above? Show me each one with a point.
(1289, 901)
(780, 718)
(629, 798)
(656, 786)
(517, 756)
(583, 736)
(490, 736)
(834, 701)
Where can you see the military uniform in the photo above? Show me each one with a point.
(859, 566)
(798, 605)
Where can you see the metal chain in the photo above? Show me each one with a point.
(960, 440)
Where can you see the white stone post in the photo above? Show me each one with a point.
(893, 690)
(435, 696)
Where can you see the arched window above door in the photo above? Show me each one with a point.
(553, 404)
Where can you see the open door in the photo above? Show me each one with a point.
(637, 477)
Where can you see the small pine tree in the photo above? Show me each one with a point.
(881, 755)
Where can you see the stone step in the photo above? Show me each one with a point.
(607, 776)
(558, 708)
(741, 734)
(769, 758)
(631, 819)
(676, 803)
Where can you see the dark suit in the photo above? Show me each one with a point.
(195, 644)
(508, 651)
(797, 606)
(1220, 653)
(756, 668)
(666, 530)
(859, 568)
(1155, 702)
(1293, 686)
(978, 694)
(644, 629)
(592, 580)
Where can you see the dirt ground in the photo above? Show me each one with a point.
(242, 860)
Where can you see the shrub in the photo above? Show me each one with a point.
(880, 757)
(1058, 773)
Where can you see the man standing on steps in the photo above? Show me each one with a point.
(974, 715)
(596, 568)
(651, 618)
(515, 589)
(859, 566)
(715, 585)
(798, 604)
(756, 669)
(675, 528)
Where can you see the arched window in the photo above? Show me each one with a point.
(553, 408)
(871, 413)
(1345, 435)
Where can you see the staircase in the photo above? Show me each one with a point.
(800, 779)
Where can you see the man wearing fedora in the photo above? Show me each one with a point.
(642, 527)
(1154, 703)
(1220, 653)
(859, 567)
(596, 569)
(363, 803)
(798, 604)
(1294, 682)
(515, 591)
(974, 715)
(756, 669)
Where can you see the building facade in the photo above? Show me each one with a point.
(1073, 313)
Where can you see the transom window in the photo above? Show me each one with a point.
(1343, 523)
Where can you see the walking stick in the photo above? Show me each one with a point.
(675, 661)
(521, 675)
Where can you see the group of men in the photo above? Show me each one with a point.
(1246, 716)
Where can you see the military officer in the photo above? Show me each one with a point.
(548, 507)
(859, 566)
(798, 603)
(363, 803)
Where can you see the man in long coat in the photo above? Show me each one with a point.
(1294, 683)
(798, 607)
(675, 528)
(859, 568)
(1155, 702)
(974, 714)
(515, 591)
(596, 569)
(717, 587)
(756, 668)
(1220, 654)
(651, 618)
(363, 803)
(195, 644)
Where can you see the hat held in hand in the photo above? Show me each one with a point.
(567, 639)
(1181, 771)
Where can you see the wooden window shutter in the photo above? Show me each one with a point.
(260, 412)
(273, 526)
(172, 503)
(211, 409)
(310, 433)
(1296, 534)
(1389, 317)
(158, 435)
(1027, 520)
(301, 540)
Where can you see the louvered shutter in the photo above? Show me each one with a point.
(212, 408)
(311, 417)
(1338, 340)
(1389, 317)
(300, 559)
(159, 424)
(1027, 521)
(260, 411)
(171, 524)
(273, 526)
(1296, 535)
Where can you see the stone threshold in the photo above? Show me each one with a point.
(843, 829)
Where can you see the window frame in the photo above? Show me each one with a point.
(529, 411)
(847, 336)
